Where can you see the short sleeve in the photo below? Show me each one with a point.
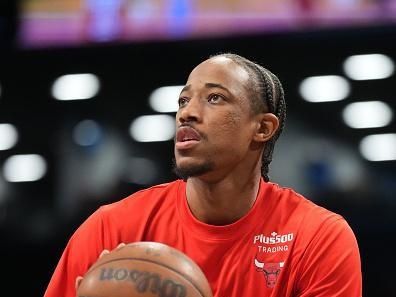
(81, 251)
(331, 263)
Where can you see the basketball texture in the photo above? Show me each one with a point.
(144, 269)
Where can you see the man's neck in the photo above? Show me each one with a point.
(222, 202)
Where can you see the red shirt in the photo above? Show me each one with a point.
(284, 246)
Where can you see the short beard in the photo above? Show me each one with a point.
(192, 171)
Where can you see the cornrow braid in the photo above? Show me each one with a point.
(267, 96)
(279, 109)
(268, 88)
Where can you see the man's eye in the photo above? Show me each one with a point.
(214, 98)
(182, 101)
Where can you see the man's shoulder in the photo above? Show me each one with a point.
(145, 197)
(304, 206)
(159, 188)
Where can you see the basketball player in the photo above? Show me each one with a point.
(250, 236)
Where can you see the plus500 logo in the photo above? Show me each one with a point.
(273, 239)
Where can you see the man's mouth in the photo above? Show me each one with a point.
(186, 137)
(187, 134)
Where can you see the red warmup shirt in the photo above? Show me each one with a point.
(284, 246)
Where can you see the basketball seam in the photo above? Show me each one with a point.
(155, 262)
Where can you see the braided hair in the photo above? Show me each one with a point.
(267, 95)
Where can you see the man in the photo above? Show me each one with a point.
(250, 236)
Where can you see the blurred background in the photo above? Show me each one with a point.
(88, 92)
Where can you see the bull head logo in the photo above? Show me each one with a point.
(270, 270)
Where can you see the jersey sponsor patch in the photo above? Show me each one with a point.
(272, 243)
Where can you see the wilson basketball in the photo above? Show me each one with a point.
(144, 269)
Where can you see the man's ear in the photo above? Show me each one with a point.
(267, 125)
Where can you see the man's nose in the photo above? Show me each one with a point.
(191, 112)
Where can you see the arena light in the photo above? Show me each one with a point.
(370, 66)
(368, 114)
(8, 136)
(75, 86)
(165, 99)
(324, 88)
(152, 128)
(379, 147)
(24, 168)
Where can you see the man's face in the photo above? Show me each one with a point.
(214, 122)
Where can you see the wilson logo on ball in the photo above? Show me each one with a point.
(144, 281)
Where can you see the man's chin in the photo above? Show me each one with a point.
(191, 170)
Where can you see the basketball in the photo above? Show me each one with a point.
(144, 269)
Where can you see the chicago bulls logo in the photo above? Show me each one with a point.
(270, 271)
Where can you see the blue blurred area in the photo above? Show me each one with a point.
(180, 12)
(103, 19)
